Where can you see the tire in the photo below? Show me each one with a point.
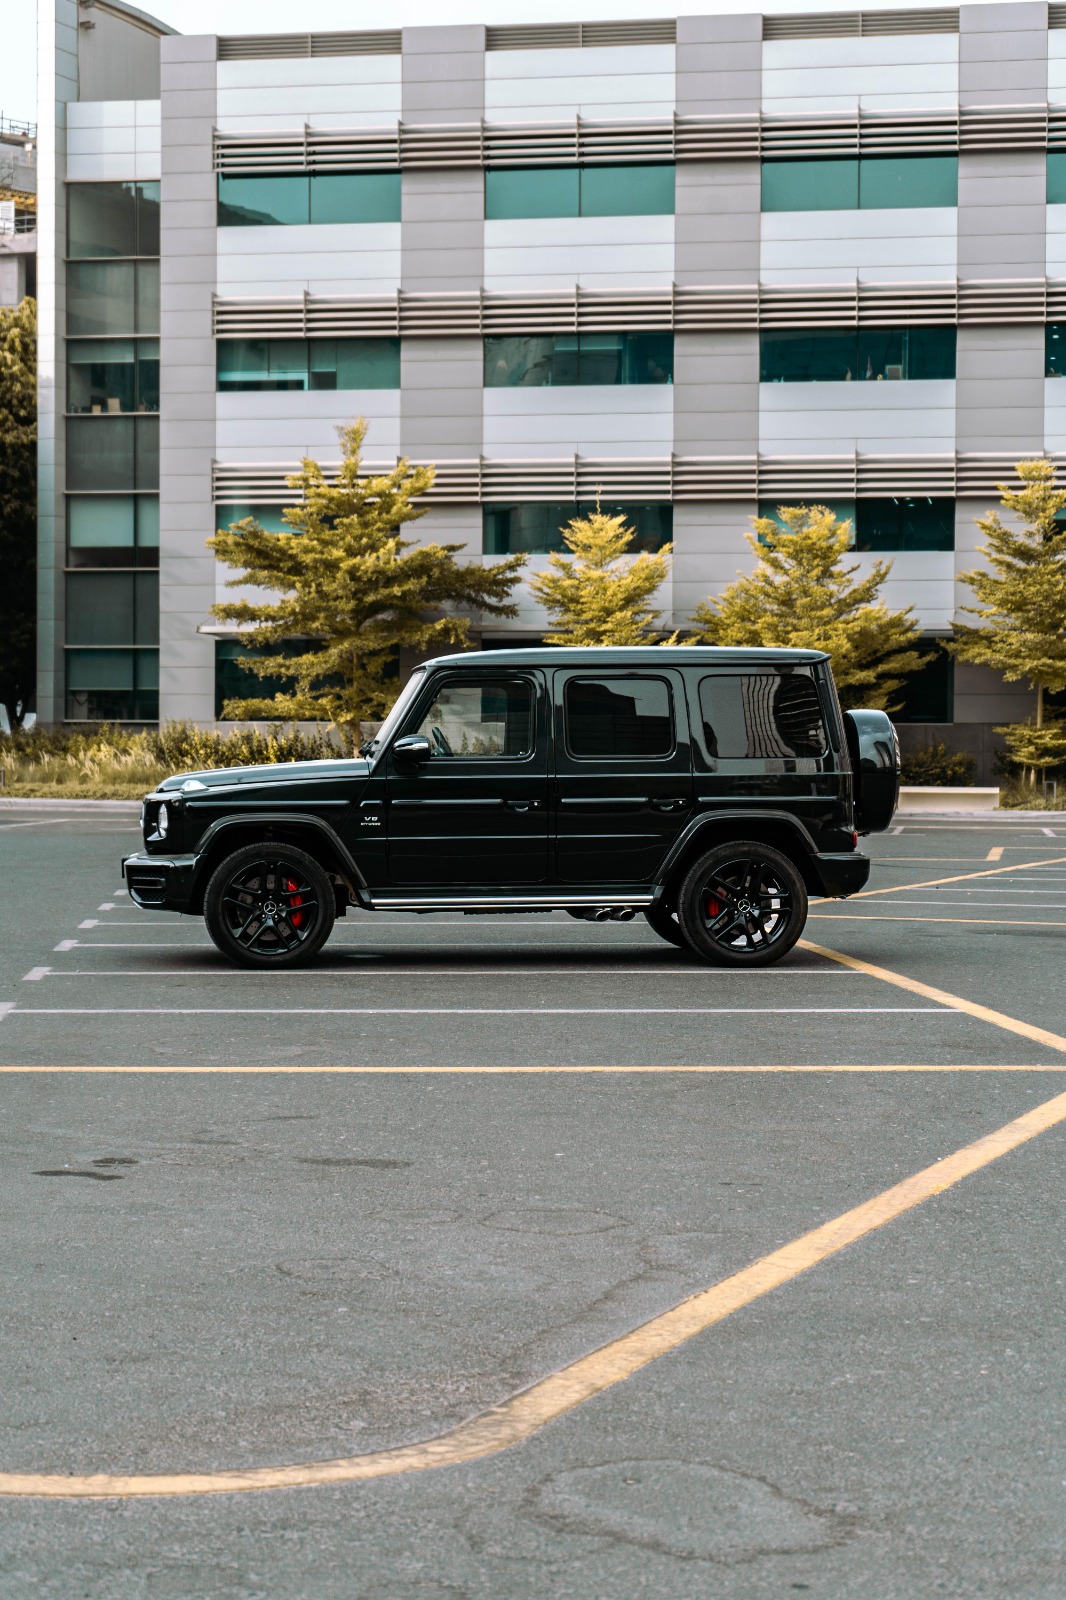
(299, 895)
(666, 925)
(756, 876)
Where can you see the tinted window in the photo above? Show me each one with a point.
(619, 717)
(607, 191)
(872, 183)
(610, 191)
(810, 185)
(1056, 177)
(531, 192)
(355, 197)
(762, 716)
(843, 355)
(905, 523)
(480, 719)
(554, 360)
(537, 527)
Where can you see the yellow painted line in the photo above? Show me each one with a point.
(995, 854)
(998, 1019)
(357, 1071)
(524, 1414)
(981, 922)
(960, 877)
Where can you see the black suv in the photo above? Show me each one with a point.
(712, 790)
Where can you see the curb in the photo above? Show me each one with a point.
(130, 808)
(998, 815)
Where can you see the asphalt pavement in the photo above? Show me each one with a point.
(308, 1217)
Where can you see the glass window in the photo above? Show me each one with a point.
(1055, 349)
(906, 523)
(492, 718)
(100, 453)
(147, 310)
(148, 219)
(113, 375)
(112, 685)
(563, 359)
(531, 192)
(825, 355)
(843, 511)
(112, 608)
(810, 185)
(112, 219)
(112, 297)
(262, 200)
(619, 717)
(269, 518)
(761, 716)
(536, 528)
(234, 682)
(610, 191)
(355, 196)
(355, 364)
(146, 453)
(108, 530)
(888, 182)
(1056, 177)
(253, 364)
(928, 695)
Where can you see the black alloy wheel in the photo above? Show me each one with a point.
(743, 905)
(269, 905)
(666, 925)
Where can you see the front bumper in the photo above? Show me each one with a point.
(159, 883)
(841, 875)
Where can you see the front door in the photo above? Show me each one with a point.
(476, 814)
(623, 771)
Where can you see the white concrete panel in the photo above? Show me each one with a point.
(602, 82)
(82, 114)
(247, 106)
(308, 72)
(325, 258)
(919, 245)
(541, 253)
(1056, 241)
(829, 75)
(1055, 413)
(832, 418)
(1056, 67)
(288, 426)
(627, 420)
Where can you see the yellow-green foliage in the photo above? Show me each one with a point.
(102, 763)
(599, 594)
(801, 595)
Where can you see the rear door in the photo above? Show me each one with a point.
(476, 814)
(623, 771)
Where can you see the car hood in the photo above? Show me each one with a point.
(295, 774)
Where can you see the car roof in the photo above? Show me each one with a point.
(630, 656)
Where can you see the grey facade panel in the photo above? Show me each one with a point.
(719, 65)
(441, 405)
(717, 224)
(443, 74)
(1003, 54)
(716, 393)
(117, 59)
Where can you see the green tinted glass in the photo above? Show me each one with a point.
(887, 182)
(928, 695)
(537, 529)
(355, 197)
(100, 453)
(99, 669)
(355, 363)
(100, 298)
(1056, 177)
(826, 355)
(147, 522)
(1055, 350)
(102, 220)
(907, 523)
(808, 355)
(843, 510)
(103, 520)
(905, 353)
(256, 202)
(627, 191)
(531, 192)
(268, 517)
(236, 682)
(810, 185)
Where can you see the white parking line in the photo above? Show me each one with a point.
(354, 970)
(45, 822)
(35, 974)
(63, 946)
(5, 1007)
(90, 922)
(108, 905)
(478, 1011)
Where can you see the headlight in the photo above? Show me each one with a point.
(162, 822)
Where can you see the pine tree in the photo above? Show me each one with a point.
(351, 590)
(599, 594)
(1022, 606)
(18, 507)
(802, 595)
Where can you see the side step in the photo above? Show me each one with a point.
(512, 902)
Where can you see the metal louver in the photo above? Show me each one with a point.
(690, 309)
(277, 46)
(674, 478)
(577, 35)
(860, 24)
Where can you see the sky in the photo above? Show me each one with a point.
(18, 57)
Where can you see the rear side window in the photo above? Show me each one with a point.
(469, 718)
(762, 716)
(619, 717)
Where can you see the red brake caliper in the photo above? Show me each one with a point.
(295, 917)
(714, 907)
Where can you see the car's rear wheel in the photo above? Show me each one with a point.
(743, 905)
(269, 905)
(666, 925)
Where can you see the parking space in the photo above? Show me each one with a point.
(290, 1218)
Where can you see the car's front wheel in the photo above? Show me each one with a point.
(269, 905)
(743, 905)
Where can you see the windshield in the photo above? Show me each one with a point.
(396, 715)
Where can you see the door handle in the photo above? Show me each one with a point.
(521, 805)
(669, 804)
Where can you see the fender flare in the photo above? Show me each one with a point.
(273, 819)
(707, 819)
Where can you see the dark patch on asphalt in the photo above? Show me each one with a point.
(553, 1219)
(351, 1161)
(76, 1172)
(115, 1161)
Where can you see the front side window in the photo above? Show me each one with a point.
(564, 360)
(846, 355)
(536, 528)
(601, 191)
(294, 199)
(487, 718)
(867, 183)
(762, 716)
(620, 717)
(278, 364)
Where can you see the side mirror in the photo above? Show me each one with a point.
(414, 748)
(874, 751)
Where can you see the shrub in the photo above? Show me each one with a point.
(935, 764)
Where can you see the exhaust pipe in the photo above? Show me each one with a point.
(623, 914)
